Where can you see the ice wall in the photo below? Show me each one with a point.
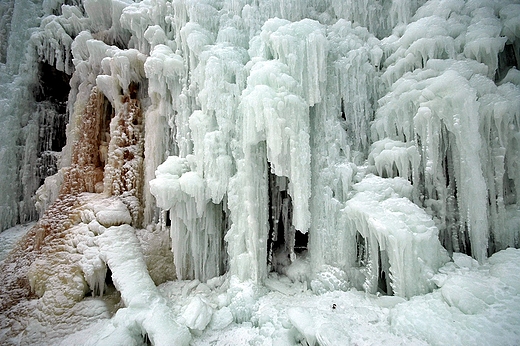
(201, 115)
(441, 100)
(17, 124)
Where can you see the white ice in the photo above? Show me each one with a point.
(267, 172)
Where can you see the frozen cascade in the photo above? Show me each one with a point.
(19, 119)
(339, 135)
(271, 147)
(432, 116)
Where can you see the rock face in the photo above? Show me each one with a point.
(326, 139)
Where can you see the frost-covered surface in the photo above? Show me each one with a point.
(10, 237)
(313, 172)
(476, 305)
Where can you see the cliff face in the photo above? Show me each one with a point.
(341, 144)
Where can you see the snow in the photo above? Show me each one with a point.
(260, 172)
(302, 320)
(353, 317)
(110, 212)
(469, 296)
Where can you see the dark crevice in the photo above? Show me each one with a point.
(108, 113)
(506, 60)
(383, 280)
(301, 242)
(343, 115)
(51, 95)
(54, 86)
(108, 278)
(361, 250)
(284, 241)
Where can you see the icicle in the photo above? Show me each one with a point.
(196, 223)
(387, 154)
(445, 131)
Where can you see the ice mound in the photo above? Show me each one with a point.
(145, 310)
(401, 245)
(330, 279)
(198, 314)
(483, 296)
(111, 212)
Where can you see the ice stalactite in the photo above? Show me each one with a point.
(201, 217)
(123, 174)
(273, 127)
(164, 70)
(510, 16)
(395, 159)
(461, 173)
(339, 135)
(379, 17)
(333, 142)
(6, 13)
(18, 113)
(438, 116)
(196, 223)
(263, 121)
(500, 153)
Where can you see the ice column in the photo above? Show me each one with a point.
(273, 126)
(340, 136)
(203, 139)
(196, 224)
(500, 115)
(85, 173)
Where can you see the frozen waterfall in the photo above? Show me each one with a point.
(248, 145)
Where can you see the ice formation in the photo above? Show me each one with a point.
(250, 149)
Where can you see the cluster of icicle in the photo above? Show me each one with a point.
(322, 93)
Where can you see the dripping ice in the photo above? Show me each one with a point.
(260, 172)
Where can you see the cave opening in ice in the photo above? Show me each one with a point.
(54, 87)
(365, 265)
(51, 96)
(104, 286)
(507, 59)
(284, 241)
